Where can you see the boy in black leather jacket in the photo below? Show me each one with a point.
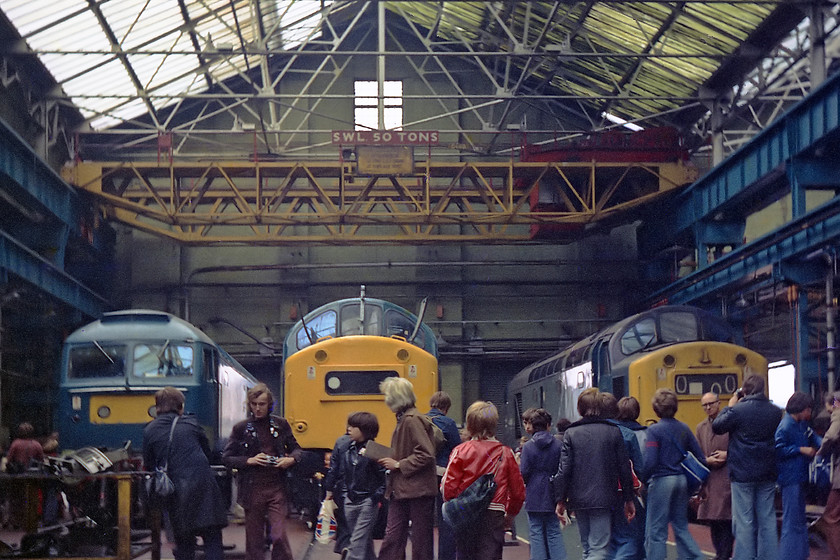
(361, 482)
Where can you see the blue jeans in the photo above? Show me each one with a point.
(446, 536)
(360, 520)
(754, 520)
(594, 528)
(667, 502)
(545, 536)
(793, 544)
(628, 538)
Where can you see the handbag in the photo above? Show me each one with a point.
(326, 526)
(159, 486)
(694, 470)
(465, 511)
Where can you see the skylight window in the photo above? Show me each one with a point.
(366, 111)
(152, 60)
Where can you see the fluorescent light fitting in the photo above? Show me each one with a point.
(618, 120)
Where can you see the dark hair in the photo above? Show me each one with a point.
(441, 401)
(25, 430)
(798, 402)
(628, 408)
(562, 424)
(169, 399)
(589, 402)
(665, 403)
(609, 405)
(539, 418)
(753, 385)
(366, 422)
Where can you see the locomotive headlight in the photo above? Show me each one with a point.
(740, 359)
(152, 411)
(402, 355)
(320, 356)
(669, 360)
(103, 411)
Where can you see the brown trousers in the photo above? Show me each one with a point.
(829, 524)
(421, 513)
(266, 503)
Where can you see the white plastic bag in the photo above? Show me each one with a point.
(325, 527)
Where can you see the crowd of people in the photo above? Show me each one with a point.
(624, 483)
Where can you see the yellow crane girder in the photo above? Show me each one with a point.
(284, 203)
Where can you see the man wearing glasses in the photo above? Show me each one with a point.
(716, 495)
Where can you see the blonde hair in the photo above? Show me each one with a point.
(482, 419)
(399, 393)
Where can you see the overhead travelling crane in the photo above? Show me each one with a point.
(300, 202)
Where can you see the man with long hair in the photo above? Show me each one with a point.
(261, 448)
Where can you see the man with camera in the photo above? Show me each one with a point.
(261, 448)
(751, 421)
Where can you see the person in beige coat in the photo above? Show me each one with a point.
(412, 477)
(716, 505)
(830, 521)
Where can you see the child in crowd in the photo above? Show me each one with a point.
(362, 484)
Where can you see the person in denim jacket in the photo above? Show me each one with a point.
(796, 445)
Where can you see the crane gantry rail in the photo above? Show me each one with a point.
(285, 203)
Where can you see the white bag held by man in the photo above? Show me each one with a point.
(326, 525)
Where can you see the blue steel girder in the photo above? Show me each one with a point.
(39, 184)
(737, 178)
(31, 267)
(816, 229)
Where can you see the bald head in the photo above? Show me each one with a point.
(711, 404)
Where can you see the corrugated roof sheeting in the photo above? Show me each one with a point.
(120, 59)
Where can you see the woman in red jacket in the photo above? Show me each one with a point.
(477, 456)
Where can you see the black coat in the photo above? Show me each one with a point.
(198, 502)
(593, 460)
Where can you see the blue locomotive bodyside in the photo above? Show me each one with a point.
(111, 369)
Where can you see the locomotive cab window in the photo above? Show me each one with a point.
(319, 327)
(638, 336)
(92, 361)
(163, 360)
(678, 327)
(350, 324)
(400, 325)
